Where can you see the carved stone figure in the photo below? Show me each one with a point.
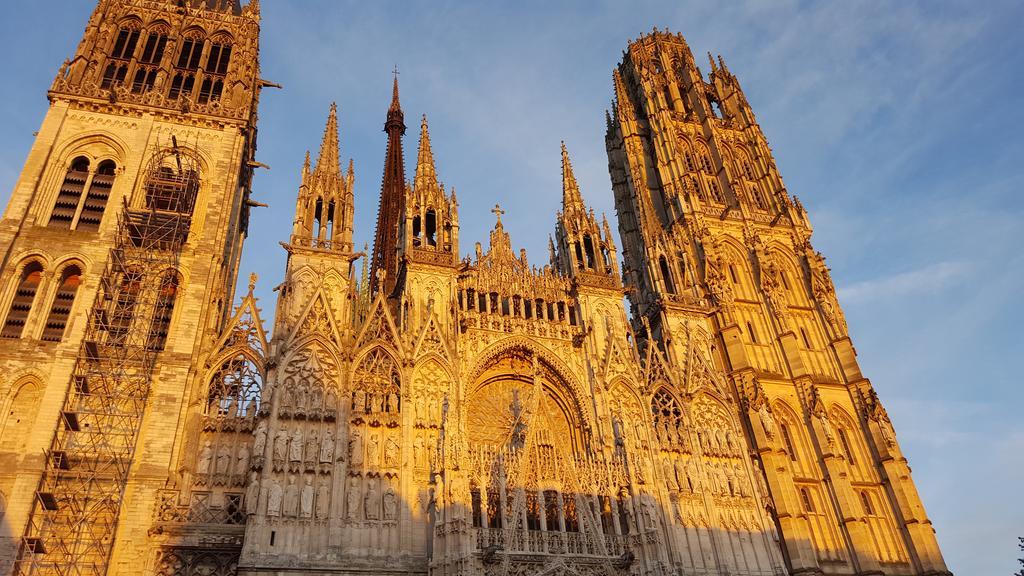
(306, 500)
(260, 442)
(205, 459)
(242, 462)
(391, 453)
(274, 497)
(295, 448)
(767, 420)
(353, 497)
(419, 455)
(371, 504)
(223, 463)
(390, 505)
(358, 401)
(312, 448)
(252, 495)
(355, 448)
(323, 501)
(327, 448)
(280, 449)
(291, 498)
(373, 451)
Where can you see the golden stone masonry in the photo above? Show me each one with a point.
(414, 412)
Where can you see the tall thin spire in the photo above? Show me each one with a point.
(328, 164)
(571, 199)
(392, 192)
(426, 172)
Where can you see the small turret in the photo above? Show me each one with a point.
(325, 206)
(580, 248)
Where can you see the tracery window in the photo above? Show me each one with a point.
(83, 195)
(235, 389)
(149, 62)
(187, 64)
(668, 418)
(63, 300)
(121, 55)
(215, 70)
(378, 384)
(24, 297)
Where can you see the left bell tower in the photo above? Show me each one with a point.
(119, 254)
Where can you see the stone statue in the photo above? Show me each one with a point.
(419, 456)
(223, 463)
(681, 477)
(331, 401)
(353, 497)
(280, 449)
(306, 500)
(242, 462)
(373, 451)
(390, 505)
(291, 498)
(767, 420)
(327, 448)
(251, 408)
(355, 448)
(358, 401)
(393, 403)
(295, 450)
(260, 443)
(286, 398)
(312, 448)
(370, 503)
(252, 495)
(391, 453)
(274, 498)
(323, 501)
(302, 399)
(205, 459)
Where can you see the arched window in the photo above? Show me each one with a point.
(806, 500)
(430, 228)
(150, 60)
(588, 249)
(24, 296)
(715, 191)
(865, 500)
(83, 196)
(787, 438)
(70, 194)
(17, 422)
(666, 275)
(125, 296)
(235, 389)
(63, 300)
(96, 196)
(121, 54)
(215, 70)
(163, 310)
(189, 56)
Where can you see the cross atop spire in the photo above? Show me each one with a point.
(396, 106)
(497, 211)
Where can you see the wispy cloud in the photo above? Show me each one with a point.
(931, 278)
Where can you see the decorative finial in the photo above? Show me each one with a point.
(252, 282)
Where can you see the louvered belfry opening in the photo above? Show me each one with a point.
(75, 513)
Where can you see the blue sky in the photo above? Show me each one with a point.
(896, 123)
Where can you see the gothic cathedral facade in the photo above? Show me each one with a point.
(416, 411)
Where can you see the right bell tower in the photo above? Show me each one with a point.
(718, 253)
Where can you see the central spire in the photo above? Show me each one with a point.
(392, 193)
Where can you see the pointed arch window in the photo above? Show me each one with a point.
(666, 274)
(187, 64)
(173, 181)
(787, 438)
(63, 300)
(845, 441)
(83, 195)
(24, 297)
(806, 500)
(235, 389)
(163, 310)
(430, 228)
(121, 54)
(668, 418)
(215, 70)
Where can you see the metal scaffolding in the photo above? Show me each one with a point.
(73, 521)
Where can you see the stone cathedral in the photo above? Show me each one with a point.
(413, 410)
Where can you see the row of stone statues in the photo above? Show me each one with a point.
(377, 450)
(290, 500)
(303, 400)
(224, 466)
(299, 451)
(370, 505)
(376, 402)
